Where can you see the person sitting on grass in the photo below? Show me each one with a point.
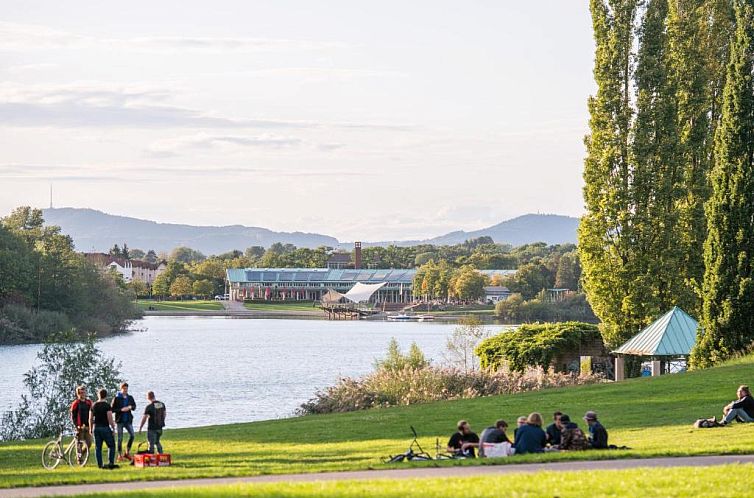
(572, 437)
(530, 438)
(463, 442)
(742, 409)
(597, 432)
(553, 430)
(520, 422)
(494, 435)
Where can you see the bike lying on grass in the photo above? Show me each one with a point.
(415, 453)
(76, 453)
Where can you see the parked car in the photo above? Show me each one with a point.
(224, 297)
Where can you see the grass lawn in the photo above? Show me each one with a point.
(281, 306)
(724, 481)
(207, 305)
(652, 416)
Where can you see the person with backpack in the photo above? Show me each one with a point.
(123, 405)
(742, 409)
(102, 425)
(572, 437)
(155, 412)
(79, 411)
(597, 432)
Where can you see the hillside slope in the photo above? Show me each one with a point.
(653, 416)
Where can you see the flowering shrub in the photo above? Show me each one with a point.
(408, 386)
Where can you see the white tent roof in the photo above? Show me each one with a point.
(362, 292)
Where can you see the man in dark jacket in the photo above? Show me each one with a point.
(123, 405)
(742, 409)
(572, 438)
(553, 430)
(597, 433)
(80, 415)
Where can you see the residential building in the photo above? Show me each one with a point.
(129, 269)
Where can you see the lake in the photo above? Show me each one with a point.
(223, 370)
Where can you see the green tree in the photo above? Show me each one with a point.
(459, 348)
(161, 285)
(64, 363)
(728, 309)
(115, 251)
(396, 360)
(202, 288)
(468, 284)
(151, 256)
(138, 287)
(181, 286)
(186, 255)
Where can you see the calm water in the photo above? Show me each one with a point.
(222, 370)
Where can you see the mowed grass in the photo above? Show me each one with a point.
(653, 416)
(722, 481)
(206, 305)
(281, 306)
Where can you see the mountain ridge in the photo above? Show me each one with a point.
(95, 231)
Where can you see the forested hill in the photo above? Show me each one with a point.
(94, 230)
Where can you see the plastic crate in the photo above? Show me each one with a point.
(149, 460)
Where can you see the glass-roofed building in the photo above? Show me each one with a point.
(310, 284)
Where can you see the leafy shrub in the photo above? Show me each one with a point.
(533, 345)
(19, 324)
(395, 359)
(409, 386)
(516, 310)
(65, 362)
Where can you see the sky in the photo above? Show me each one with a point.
(363, 120)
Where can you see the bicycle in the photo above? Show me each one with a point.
(76, 453)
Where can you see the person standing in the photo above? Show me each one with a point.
(123, 405)
(155, 412)
(80, 409)
(102, 426)
(597, 432)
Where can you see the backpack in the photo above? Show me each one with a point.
(707, 423)
(159, 413)
(574, 439)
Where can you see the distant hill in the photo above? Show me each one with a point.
(549, 228)
(97, 231)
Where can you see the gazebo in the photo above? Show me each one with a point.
(669, 339)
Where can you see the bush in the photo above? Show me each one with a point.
(534, 345)
(22, 325)
(66, 362)
(410, 386)
(516, 310)
(396, 360)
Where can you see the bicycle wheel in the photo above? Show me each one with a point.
(52, 454)
(79, 454)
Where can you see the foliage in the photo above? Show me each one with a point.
(409, 386)
(65, 362)
(534, 345)
(21, 325)
(202, 288)
(395, 359)
(186, 255)
(573, 307)
(460, 345)
(467, 284)
(181, 286)
(40, 269)
(728, 317)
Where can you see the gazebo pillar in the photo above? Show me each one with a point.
(656, 368)
(620, 368)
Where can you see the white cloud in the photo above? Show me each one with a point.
(175, 146)
(22, 37)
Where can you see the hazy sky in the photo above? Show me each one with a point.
(362, 120)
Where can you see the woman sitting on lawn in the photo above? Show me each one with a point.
(530, 438)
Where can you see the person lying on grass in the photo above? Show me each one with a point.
(463, 442)
(597, 432)
(530, 438)
(742, 409)
(494, 435)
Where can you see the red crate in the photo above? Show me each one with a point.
(149, 460)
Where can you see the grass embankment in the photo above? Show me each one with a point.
(281, 306)
(653, 416)
(667, 482)
(207, 305)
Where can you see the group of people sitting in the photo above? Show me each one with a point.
(102, 419)
(529, 436)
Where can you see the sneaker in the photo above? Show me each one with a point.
(113, 466)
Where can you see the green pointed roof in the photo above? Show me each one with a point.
(673, 334)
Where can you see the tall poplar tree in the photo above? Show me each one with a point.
(728, 292)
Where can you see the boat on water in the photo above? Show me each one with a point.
(399, 318)
(425, 318)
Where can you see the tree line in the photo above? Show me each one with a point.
(47, 287)
(669, 172)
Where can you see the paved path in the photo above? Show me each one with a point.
(460, 471)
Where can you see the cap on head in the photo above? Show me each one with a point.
(564, 419)
(590, 416)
